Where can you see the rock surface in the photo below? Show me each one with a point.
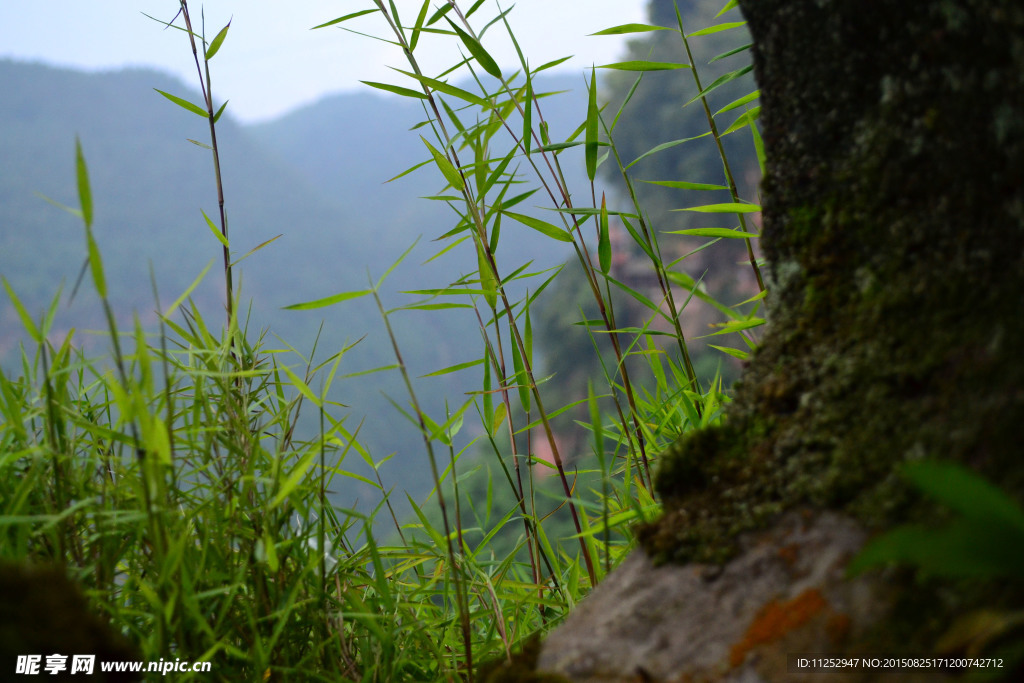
(783, 593)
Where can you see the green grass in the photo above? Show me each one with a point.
(172, 481)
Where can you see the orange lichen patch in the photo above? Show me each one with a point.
(775, 620)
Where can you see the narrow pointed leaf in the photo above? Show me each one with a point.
(735, 104)
(216, 117)
(396, 89)
(184, 104)
(82, 177)
(332, 22)
(728, 233)
(544, 227)
(488, 280)
(730, 53)
(215, 230)
(218, 40)
(720, 81)
(455, 368)
(736, 353)
(96, 264)
(604, 243)
(717, 28)
(442, 87)
(743, 121)
(328, 301)
(734, 207)
(521, 377)
(728, 6)
(255, 249)
(528, 115)
(664, 146)
(593, 115)
(477, 50)
(630, 28)
(684, 185)
(301, 385)
(414, 39)
(499, 417)
(643, 65)
(26, 319)
(447, 169)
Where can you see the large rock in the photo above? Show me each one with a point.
(784, 592)
(893, 213)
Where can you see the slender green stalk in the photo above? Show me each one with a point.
(713, 127)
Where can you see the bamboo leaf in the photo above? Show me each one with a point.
(477, 50)
(590, 151)
(728, 233)
(184, 104)
(630, 28)
(965, 492)
(717, 28)
(728, 6)
(99, 280)
(455, 368)
(332, 22)
(730, 53)
(746, 119)
(255, 249)
(604, 243)
(82, 177)
(396, 89)
(449, 171)
(436, 16)
(301, 385)
(736, 353)
(218, 40)
(643, 65)
(684, 185)
(734, 207)
(735, 326)
(720, 81)
(328, 301)
(414, 39)
(544, 227)
(664, 146)
(294, 477)
(528, 115)
(26, 319)
(691, 285)
(735, 104)
(216, 117)
(488, 280)
(521, 377)
(442, 87)
(188, 290)
(553, 63)
(215, 230)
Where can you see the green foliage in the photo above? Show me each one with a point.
(985, 540)
(185, 479)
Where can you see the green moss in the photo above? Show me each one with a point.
(894, 299)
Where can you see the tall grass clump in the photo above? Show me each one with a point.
(172, 478)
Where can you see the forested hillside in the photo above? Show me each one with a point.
(316, 177)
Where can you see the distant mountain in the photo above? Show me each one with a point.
(315, 176)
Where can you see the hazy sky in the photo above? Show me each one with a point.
(272, 61)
